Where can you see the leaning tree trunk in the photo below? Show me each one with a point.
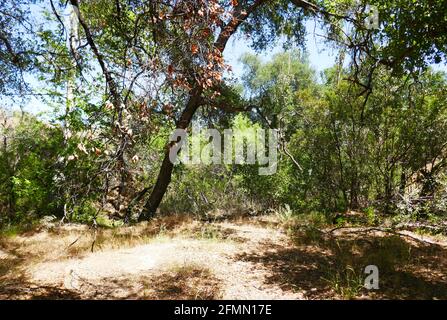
(241, 13)
(164, 176)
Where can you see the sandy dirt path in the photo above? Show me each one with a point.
(244, 258)
(169, 267)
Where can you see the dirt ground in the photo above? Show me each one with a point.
(252, 258)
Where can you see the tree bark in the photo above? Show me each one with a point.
(73, 44)
(240, 14)
(117, 101)
(164, 176)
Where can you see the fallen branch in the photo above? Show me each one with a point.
(419, 225)
(384, 230)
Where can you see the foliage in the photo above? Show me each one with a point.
(368, 136)
(29, 167)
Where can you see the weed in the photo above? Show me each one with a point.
(347, 281)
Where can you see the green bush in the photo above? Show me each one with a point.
(29, 162)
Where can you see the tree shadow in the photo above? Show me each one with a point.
(21, 288)
(326, 267)
(180, 283)
(188, 282)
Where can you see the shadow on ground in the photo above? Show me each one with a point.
(329, 267)
(179, 283)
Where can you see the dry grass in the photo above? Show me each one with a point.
(332, 267)
(75, 240)
(184, 282)
(169, 258)
(176, 257)
(18, 253)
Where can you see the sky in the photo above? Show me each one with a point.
(320, 56)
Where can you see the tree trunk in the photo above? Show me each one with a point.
(241, 13)
(164, 176)
(73, 44)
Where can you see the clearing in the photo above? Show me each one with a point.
(244, 258)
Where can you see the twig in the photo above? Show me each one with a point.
(71, 244)
(95, 226)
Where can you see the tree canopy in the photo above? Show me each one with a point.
(123, 74)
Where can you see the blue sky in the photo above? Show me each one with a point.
(320, 57)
